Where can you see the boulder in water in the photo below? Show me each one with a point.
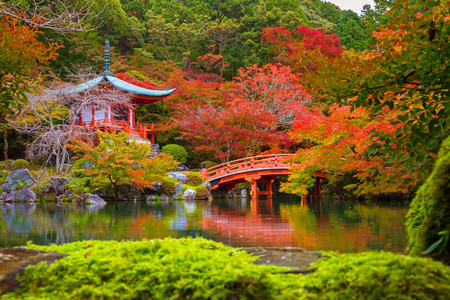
(26, 195)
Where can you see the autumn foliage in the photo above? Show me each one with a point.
(342, 141)
(115, 161)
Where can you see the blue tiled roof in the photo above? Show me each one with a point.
(117, 83)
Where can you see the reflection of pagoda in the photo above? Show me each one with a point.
(116, 118)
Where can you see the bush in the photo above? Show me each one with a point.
(209, 164)
(194, 178)
(201, 192)
(149, 269)
(168, 186)
(178, 152)
(20, 164)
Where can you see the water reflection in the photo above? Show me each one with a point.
(316, 225)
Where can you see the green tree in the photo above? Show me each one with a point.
(350, 29)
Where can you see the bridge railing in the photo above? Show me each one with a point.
(247, 164)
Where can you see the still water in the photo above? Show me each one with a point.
(327, 224)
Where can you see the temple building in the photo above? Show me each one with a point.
(116, 118)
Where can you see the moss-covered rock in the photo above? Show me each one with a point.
(428, 218)
(194, 178)
(201, 192)
(169, 186)
(20, 164)
(156, 269)
(200, 269)
(376, 275)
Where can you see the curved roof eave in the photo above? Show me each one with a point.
(79, 88)
(131, 88)
(117, 83)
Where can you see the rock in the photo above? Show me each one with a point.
(151, 198)
(26, 195)
(68, 193)
(6, 188)
(94, 199)
(243, 193)
(130, 192)
(189, 195)
(208, 186)
(156, 186)
(20, 176)
(60, 199)
(164, 197)
(15, 260)
(180, 176)
(179, 191)
(11, 197)
(297, 258)
(59, 184)
(3, 195)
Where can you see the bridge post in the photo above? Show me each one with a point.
(203, 171)
(317, 188)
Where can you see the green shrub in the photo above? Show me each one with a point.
(428, 218)
(209, 164)
(168, 186)
(178, 152)
(201, 192)
(194, 178)
(20, 164)
(149, 269)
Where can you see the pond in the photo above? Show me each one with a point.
(326, 224)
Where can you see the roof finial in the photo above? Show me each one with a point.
(107, 71)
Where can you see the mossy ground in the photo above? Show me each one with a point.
(201, 269)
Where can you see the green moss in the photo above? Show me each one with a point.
(194, 178)
(20, 164)
(428, 218)
(201, 192)
(178, 152)
(168, 186)
(200, 269)
(377, 275)
(156, 269)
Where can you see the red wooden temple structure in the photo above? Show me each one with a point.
(112, 118)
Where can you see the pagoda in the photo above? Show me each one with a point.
(111, 118)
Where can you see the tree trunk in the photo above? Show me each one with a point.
(5, 140)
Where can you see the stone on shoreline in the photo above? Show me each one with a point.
(19, 176)
(15, 260)
(180, 176)
(189, 195)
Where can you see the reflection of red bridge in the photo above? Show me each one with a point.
(263, 169)
(249, 227)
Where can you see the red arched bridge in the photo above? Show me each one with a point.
(262, 169)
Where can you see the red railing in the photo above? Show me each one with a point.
(141, 128)
(247, 164)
